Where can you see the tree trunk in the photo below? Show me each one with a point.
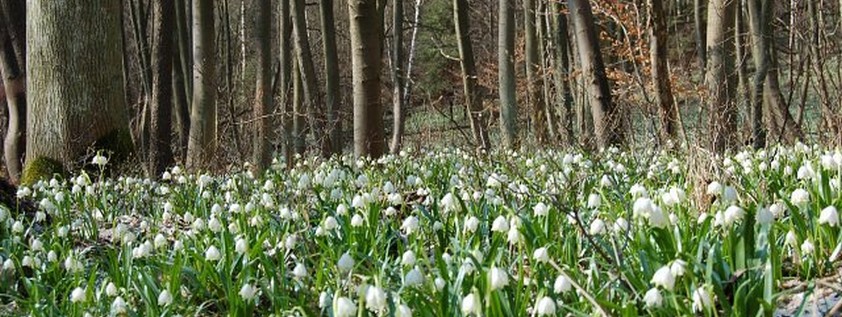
(307, 72)
(160, 149)
(397, 77)
(366, 41)
(201, 149)
(13, 66)
(533, 71)
(286, 80)
(607, 124)
(262, 155)
(761, 65)
(562, 72)
(505, 63)
(74, 62)
(473, 98)
(299, 118)
(182, 77)
(720, 77)
(332, 99)
(658, 55)
(699, 25)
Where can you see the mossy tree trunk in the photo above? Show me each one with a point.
(74, 62)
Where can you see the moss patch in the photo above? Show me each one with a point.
(40, 168)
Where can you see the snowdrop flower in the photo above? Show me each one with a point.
(605, 181)
(248, 292)
(806, 172)
(330, 223)
(9, 265)
(764, 216)
(300, 271)
(344, 307)
(356, 221)
(212, 254)
(341, 210)
(545, 307)
(664, 278)
(800, 197)
(413, 278)
(214, 225)
(807, 247)
(471, 224)
(346, 263)
(562, 284)
(470, 305)
(733, 215)
(410, 225)
(164, 298)
(408, 258)
(653, 298)
(119, 306)
(513, 237)
(541, 255)
(678, 267)
(111, 289)
(375, 299)
(597, 227)
(500, 224)
(638, 191)
(403, 311)
(657, 218)
(729, 195)
(714, 188)
(643, 207)
(621, 226)
(540, 210)
(829, 216)
(448, 203)
(99, 160)
(702, 299)
(241, 246)
(77, 295)
(497, 278)
(440, 283)
(778, 209)
(594, 201)
(17, 227)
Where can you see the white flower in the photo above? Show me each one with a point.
(678, 267)
(344, 307)
(100, 160)
(408, 258)
(413, 278)
(545, 306)
(440, 283)
(403, 311)
(594, 201)
(470, 305)
(643, 207)
(653, 298)
(410, 225)
(471, 224)
(330, 223)
(597, 227)
(657, 218)
(214, 225)
(714, 188)
(77, 295)
(356, 220)
(241, 246)
(300, 271)
(540, 209)
(733, 215)
(324, 300)
(829, 216)
(341, 210)
(562, 284)
(248, 292)
(111, 289)
(621, 226)
(448, 203)
(800, 197)
(346, 263)
(702, 299)
(778, 209)
(497, 278)
(8, 265)
(541, 255)
(807, 247)
(212, 254)
(764, 216)
(375, 299)
(791, 239)
(513, 236)
(500, 224)
(637, 191)
(729, 195)
(664, 278)
(119, 306)
(164, 298)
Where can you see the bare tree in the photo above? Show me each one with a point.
(202, 144)
(332, 99)
(366, 31)
(473, 97)
(658, 52)
(506, 69)
(397, 77)
(308, 72)
(533, 73)
(160, 139)
(262, 152)
(13, 68)
(720, 77)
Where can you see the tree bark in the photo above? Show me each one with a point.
(308, 73)
(332, 99)
(699, 25)
(533, 71)
(505, 64)
(201, 149)
(286, 80)
(561, 39)
(366, 31)
(607, 124)
(74, 62)
(397, 77)
(658, 55)
(720, 77)
(182, 77)
(262, 155)
(160, 149)
(13, 66)
(473, 98)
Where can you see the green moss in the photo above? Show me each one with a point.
(40, 168)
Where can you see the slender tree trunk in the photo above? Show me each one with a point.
(505, 64)
(607, 124)
(286, 66)
(397, 77)
(658, 55)
(332, 99)
(183, 68)
(562, 72)
(533, 71)
(74, 62)
(299, 118)
(761, 65)
(366, 31)
(473, 98)
(202, 144)
(262, 155)
(12, 66)
(160, 148)
(307, 73)
(699, 25)
(720, 77)
(181, 108)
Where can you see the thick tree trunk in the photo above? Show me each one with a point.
(473, 98)
(397, 77)
(160, 148)
(720, 77)
(201, 149)
(533, 73)
(308, 74)
(505, 64)
(366, 31)
(74, 63)
(12, 66)
(607, 124)
(332, 99)
(262, 151)
(658, 54)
